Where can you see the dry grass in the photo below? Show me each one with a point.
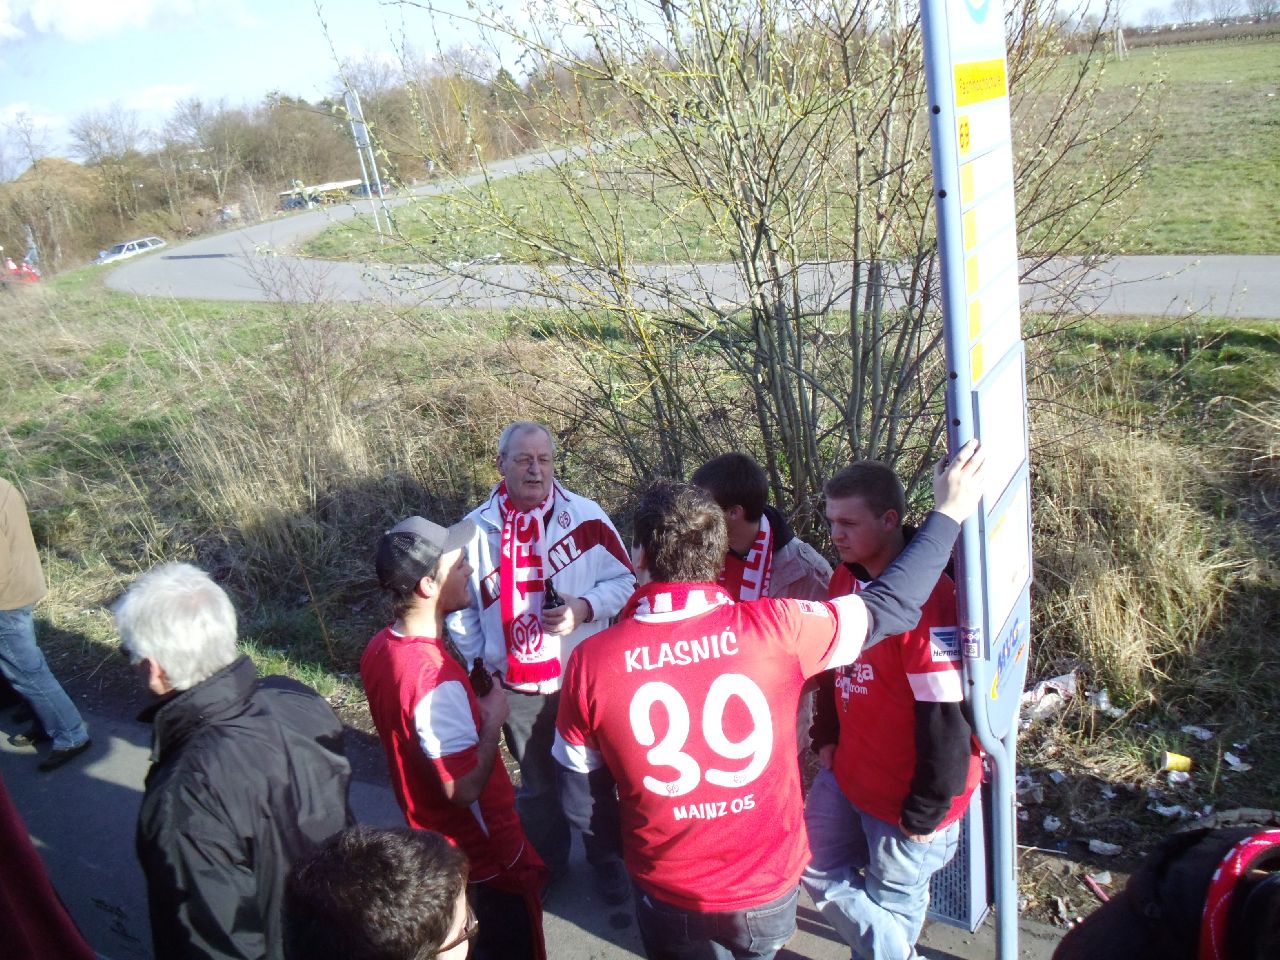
(1134, 573)
(1155, 476)
(270, 444)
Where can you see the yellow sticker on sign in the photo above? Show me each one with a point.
(969, 228)
(979, 81)
(964, 136)
(967, 183)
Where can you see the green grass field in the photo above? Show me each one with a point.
(1212, 183)
(1210, 186)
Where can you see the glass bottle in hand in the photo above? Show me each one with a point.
(481, 679)
(550, 598)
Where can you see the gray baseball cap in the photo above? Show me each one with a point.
(412, 549)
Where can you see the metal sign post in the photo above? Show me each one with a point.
(966, 71)
(360, 134)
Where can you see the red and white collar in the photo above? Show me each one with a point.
(670, 602)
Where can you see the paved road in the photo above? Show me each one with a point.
(82, 817)
(257, 264)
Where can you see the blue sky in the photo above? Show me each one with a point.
(60, 58)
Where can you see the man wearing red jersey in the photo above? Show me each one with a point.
(898, 758)
(441, 740)
(684, 703)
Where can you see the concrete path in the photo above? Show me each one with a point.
(257, 263)
(82, 817)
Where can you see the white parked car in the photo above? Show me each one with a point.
(130, 248)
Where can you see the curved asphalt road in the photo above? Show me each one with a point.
(256, 264)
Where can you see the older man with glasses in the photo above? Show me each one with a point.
(548, 570)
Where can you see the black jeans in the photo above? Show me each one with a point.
(506, 929)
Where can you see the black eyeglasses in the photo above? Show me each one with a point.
(469, 931)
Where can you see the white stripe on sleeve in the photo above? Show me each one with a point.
(937, 686)
(580, 759)
(852, 633)
(444, 722)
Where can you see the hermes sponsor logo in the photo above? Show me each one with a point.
(944, 644)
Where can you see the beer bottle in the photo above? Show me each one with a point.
(550, 598)
(481, 681)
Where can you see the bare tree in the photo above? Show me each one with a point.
(1185, 12)
(787, 144)
(8, 161)
(215, 136)
(110, 141)
(51, 212)
(1264, 9)
(1224, 9)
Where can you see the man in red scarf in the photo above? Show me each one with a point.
(531, 534)
(765, 557)
(686, 708)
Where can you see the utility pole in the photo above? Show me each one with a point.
(364, 147)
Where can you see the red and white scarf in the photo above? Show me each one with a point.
(660, 602)
(532, 656)
(747, 578)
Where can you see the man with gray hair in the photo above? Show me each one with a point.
(247, 774)
(548, 571)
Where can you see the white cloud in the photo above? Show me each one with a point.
(39, 119)
(83, 20)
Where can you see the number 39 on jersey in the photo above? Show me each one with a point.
(730, 762)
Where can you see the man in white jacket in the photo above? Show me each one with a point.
(548, 571)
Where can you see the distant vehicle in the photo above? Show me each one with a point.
(369, 190)
(302, 196)
(12, 273)
(130, 248)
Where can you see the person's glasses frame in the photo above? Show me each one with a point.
(469, 930)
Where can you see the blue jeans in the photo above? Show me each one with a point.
(24, 667)
(673, 933)
(880, 910)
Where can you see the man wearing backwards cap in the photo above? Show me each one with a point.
(441, 739)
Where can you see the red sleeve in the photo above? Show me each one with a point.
(456, 765)
(815, 627)
(571, 721)
(931, 652)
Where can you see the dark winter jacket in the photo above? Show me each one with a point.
(1160, 912)
(246, 776)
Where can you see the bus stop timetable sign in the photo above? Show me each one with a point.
(967, 75)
